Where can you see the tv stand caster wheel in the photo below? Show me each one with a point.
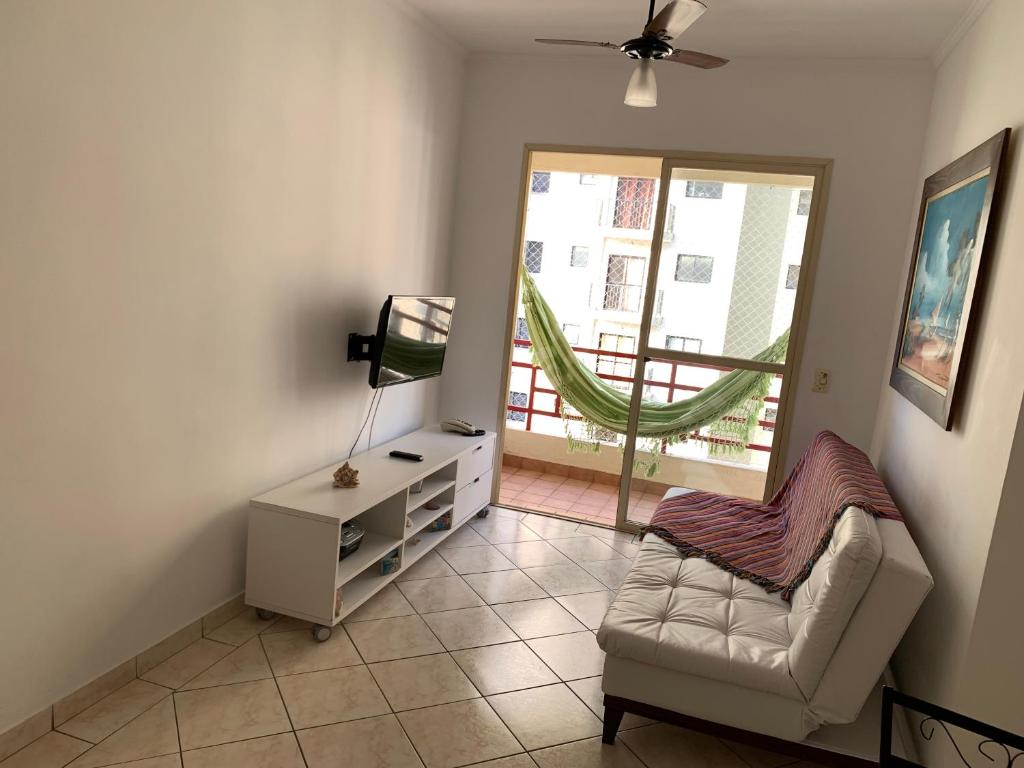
(321, 633)
(483, 513)
(264, 615)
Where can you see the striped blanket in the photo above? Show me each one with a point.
(776, 544)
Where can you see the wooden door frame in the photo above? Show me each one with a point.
(820, 169)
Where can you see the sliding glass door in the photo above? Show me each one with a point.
(678, 281)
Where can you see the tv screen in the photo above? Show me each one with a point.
(411, 339)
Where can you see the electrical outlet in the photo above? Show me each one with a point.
(822, 378)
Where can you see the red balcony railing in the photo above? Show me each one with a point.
(531, 410)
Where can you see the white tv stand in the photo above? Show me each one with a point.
(292, 564)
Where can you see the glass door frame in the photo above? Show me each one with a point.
(817, 169)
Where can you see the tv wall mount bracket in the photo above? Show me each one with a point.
(360, 347)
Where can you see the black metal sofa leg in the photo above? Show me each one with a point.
(612, 721)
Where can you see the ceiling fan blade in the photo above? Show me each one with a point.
(697, 59)
(674, 19)
(549, 41)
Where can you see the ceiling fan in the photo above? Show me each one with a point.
(654, 44)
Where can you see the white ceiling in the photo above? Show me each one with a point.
(730, 28)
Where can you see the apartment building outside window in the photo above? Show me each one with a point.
(803, 205)
(691, 268)
(707, 190)
(520, 399)
(533, 255)
(624, 283)
(683, 343)
(792, 276)
(634, 203)
(614, 365)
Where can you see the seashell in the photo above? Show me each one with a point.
(346, 477)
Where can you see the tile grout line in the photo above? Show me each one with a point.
(93, 745)
(558, 678)
(363, 662)
(201, 672)
(177, 726)
(284, 703)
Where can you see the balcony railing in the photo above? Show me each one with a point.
(530, 409)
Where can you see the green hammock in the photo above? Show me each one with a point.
(730, 405)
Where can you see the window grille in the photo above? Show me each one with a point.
(624, 283)
(694, 269)
(540, 182)
(520, 399)
(792, 276)
(615, 365)
(634, 203)
(683, 343)
(533, 255)
(803, 205)
(705, 190)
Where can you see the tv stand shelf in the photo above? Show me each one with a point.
(292, 564)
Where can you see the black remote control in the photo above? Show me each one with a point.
(406, 455)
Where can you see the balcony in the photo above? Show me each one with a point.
(539, 473)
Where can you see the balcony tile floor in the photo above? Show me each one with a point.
(581, 500)
(509, 679)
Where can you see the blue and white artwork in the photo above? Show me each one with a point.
(943, 271)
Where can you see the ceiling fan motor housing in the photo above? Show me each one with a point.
(647, 47)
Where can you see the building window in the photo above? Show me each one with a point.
(580, 256)
(683, 343)
(571, 333)
(522, 332)
(588, 178)
(533, 255)
(705, 190)
(520, 399)
(803, 205)
(694, 269)
(625, 283)
(634, 202)
(792, 275)
(540, 181)
(771, 415)
(613, 365)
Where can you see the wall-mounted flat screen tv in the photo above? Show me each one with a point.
(412, 335)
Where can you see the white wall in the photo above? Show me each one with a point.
(868, 116)
(951, 484)
(198, 201)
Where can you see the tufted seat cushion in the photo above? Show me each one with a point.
(690, 616)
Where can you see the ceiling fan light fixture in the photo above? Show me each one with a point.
(643, 88)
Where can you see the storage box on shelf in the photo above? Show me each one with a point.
(292, 564)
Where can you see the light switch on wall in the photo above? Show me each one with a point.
(821, 381)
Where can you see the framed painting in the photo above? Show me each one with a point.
(949, 253)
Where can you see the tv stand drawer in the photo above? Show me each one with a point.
(474, 464)
(474, 497)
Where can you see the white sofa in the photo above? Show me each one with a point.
(683, 636)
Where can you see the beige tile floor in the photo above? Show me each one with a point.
(482, 654)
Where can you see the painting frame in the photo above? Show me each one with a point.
(934, 334)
